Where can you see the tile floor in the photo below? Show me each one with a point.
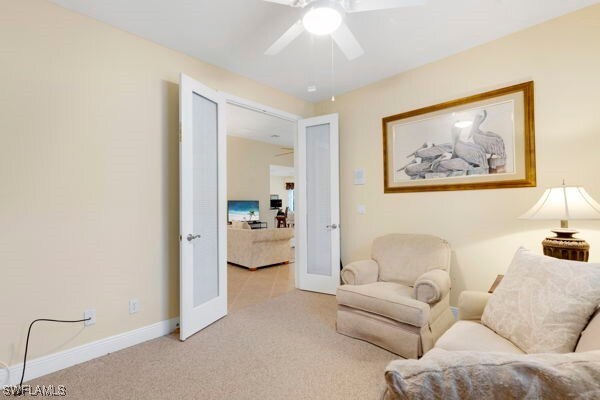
(245, 288)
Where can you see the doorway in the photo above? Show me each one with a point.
(210, 213)
(260, 229)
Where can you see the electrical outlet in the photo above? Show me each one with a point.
(134, 306)
(91, 313)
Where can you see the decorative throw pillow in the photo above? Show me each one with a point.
(543, 303)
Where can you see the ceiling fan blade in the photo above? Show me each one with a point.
(347, 42)
(371, 5)
(284, 2)
(285, 39)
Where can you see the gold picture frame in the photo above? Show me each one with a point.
(447, 146)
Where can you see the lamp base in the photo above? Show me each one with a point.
(566, 247)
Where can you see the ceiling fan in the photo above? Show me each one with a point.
(326, 17)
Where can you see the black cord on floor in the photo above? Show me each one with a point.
(20, 391)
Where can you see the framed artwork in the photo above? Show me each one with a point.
(484, 141)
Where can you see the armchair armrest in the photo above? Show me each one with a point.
(360, 272)
(432, 286)
(471, 305)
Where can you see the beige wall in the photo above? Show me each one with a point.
(89, 173)
(563, 58)
(248, 173)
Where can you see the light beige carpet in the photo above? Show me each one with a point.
(286, 348)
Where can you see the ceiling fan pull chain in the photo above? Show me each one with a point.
(332, 74)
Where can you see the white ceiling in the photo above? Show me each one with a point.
(255, 125)
(281, 170)
(234, 34)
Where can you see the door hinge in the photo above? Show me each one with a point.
(180, 132)
(180, 238)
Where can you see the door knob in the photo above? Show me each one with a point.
(332, 226)
(191, 237)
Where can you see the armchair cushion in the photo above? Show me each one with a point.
(360, 272)
(461, 375)
(432, 286)
(471, 305)
(402, 258)
(543, 303)
(387, 299)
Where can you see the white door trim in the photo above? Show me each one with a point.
(253, 105)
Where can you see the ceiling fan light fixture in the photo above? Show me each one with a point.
(322, 20)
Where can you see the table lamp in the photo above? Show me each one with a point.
(565, 203)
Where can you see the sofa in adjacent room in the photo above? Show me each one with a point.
(256, 248)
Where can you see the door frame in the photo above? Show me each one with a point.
(274, 112)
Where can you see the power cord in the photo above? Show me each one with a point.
(20, 388)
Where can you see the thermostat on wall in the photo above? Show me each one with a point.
(359, 176)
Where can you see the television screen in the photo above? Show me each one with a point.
(242, 210)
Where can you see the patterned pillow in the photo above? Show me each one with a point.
(543, 303)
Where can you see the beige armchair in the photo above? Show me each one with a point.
(398, 300)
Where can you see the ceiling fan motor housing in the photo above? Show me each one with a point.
(323, 17)
(334, 4)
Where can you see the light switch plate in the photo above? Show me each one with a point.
(362, 209)
(359, 176)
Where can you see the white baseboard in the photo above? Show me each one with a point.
(55, 362)
(455, 312)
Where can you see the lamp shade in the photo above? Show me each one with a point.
(564, 203)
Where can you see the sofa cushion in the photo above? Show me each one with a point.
(387, 299)
(543, 303)
(461, 375)
(240, 225)
(403, 258)
(472, 336)
(590, 337)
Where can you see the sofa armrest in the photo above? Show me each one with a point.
(432, 286)
(360, 272)
(471, 305)
(457, 375)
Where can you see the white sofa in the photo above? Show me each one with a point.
(469, 334)
(536, 337)
(256, 248)
(470, 361)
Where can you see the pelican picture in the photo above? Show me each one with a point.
(484, 141)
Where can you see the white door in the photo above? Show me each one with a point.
(203, 240)
(317, 205)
